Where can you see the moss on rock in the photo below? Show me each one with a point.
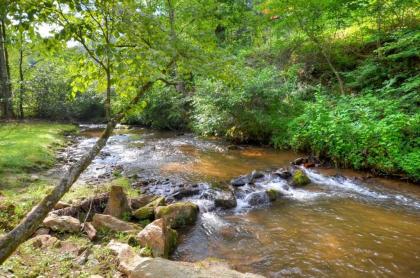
(179, 214)
(300, 179)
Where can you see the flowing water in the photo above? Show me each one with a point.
(342, 224)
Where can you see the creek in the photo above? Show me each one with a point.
(344, 224)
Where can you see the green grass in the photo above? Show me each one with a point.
(26, 149)
(30, 146)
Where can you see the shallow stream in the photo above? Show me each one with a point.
(344, 224)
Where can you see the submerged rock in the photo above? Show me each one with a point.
(282, 173)
(256, 175)
(178, 214)
(300, 178)
(159, 238)
(225, 199)
(117, 205)
(62, 223)
(108, 222)
(257, 198)
(185, 192)
(240, 181)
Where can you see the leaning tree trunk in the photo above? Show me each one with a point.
(10, 242)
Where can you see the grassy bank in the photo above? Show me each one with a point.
(25, 150)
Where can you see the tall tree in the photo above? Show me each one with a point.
(130, 38)
(5, 81)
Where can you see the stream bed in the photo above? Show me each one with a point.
(344, 224)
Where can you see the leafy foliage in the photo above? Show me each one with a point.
(361, 132)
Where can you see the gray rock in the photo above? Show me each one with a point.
(257, 198)
(282, 173)
(240, 181)
(135, 266)
(225, 199)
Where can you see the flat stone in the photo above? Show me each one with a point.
(135, 266)
(102, 221)
(62, 223)
(160, 267)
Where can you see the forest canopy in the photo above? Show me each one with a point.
(337, 79)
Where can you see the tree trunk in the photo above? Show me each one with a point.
(5, 88)
(10, 242)
(21, 83)
(334, 70)
(108, 94)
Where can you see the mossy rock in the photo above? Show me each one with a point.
(144, 213)
(179, 214)
(300, 179)
(272, 194)
(160, 201)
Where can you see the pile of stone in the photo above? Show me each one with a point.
(148, 218)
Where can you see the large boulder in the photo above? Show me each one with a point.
(300, 178)
(117, 205)
(159, 238)
(135, 266)
(62, 223)
(178, 214)
(159, 267)
(225, 199)
(108, 222)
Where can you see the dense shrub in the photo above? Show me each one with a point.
(363, 132)
(250, 110)
(48, 96)
(165, 108)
